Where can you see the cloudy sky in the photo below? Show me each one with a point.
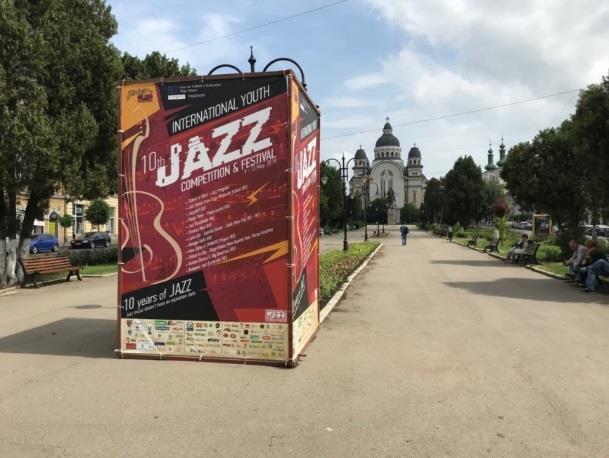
(407, 59)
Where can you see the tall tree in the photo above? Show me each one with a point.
(433, 203)
(591, 137)
(545, 176)
(26, 131)
(331, 201)
(464, 192)
(154, 65)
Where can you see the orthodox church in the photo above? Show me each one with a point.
(492, 171)
(388, 174)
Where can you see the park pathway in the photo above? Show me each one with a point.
(436, 350)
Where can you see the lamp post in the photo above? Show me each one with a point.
(367, 182)
(343, 168)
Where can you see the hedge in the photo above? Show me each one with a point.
(91, 256)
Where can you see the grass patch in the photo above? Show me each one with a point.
(100, 269)
(555, 267)
(336, 265)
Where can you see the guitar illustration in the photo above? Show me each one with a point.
(139, 247)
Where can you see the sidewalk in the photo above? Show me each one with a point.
(436, 350)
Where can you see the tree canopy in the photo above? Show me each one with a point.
(463, 192)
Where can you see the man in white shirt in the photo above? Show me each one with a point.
(579, 252)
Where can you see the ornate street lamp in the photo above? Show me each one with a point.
(343, 168)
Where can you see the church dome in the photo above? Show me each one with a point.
(387, 139)
(414, 153)
(360, 154)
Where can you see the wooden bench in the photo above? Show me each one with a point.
(473, 242)
(35, 266)
(492, 246)
(530, 254)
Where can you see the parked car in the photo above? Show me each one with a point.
(43, 242)
(91, 240)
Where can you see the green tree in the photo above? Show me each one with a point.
(65, 221)
(377, 211)
(58, 107)
(331, 199)
(591, 139)
(463, 192)
(493, 192)
(409, 214)
(154, 65)
(433, 203)
(26, 131)
(540, 175)
(98, 212)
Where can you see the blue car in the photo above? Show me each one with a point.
(43, 242)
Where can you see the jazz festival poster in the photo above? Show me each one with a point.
(219, 198)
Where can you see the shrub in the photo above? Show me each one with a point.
(550, 253)
(93, 256)
(336, 265)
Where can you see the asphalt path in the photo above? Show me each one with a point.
(436, 350)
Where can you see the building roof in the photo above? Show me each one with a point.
(387, 139)
(360, 153)
(414, 152)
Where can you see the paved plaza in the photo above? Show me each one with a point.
(436, 350)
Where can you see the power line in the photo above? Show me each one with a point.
(259, 26)
(461, 113)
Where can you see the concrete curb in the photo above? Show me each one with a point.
(9, 291)
(534, 268)
(343, 288)
(98, 275)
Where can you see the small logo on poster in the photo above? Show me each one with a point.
(276, 316)
(142, 94)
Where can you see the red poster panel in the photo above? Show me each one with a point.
(204, 229)
(305, 210)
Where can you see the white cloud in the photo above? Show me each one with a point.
(345, 102)
(459, 55)
(140, 35)
(366, 81)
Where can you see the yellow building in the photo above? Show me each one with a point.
(59, 205)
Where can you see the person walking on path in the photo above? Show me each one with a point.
(404, 231)
(450, 234)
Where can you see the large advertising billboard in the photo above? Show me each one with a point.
(218, 217)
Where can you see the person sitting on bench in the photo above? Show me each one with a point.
(592, 255)
(579, 252)
(600, 267)
(518, 248)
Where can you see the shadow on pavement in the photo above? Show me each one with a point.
(473, 263)
(84, 337)
(542, 289)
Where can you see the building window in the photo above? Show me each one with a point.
(111, 221)
(78, 210)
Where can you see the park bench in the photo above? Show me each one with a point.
(473, 242)
(530, 254)
(492, 246)
(35, 266)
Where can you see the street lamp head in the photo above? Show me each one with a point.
(324, 179)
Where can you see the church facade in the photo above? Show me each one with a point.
(389, 175)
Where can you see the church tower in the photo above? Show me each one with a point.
(491, 161)
(501, 160)
(415, 180)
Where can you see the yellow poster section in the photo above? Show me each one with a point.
(265, 341)
(304, 327)
(138, 102)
